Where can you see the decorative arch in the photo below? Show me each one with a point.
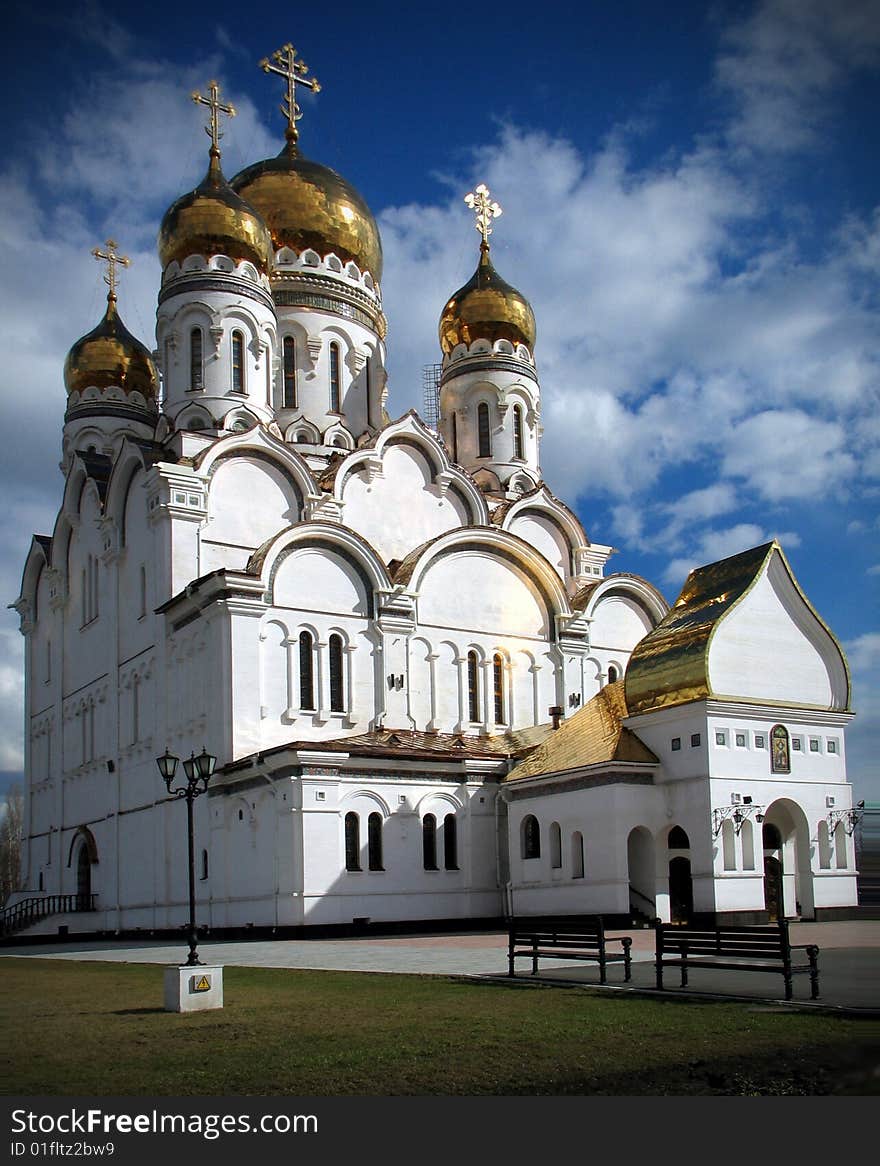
(356, 551)
(258, 442)
(83, 836)
(367, 795)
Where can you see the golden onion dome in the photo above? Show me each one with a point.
(309, 206)
(110, 356)
(214, 220)
(486, 308)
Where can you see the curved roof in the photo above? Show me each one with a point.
(670, 666)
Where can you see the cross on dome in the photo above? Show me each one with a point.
(294, 72)
(216, 107)
(111, 259)
(480, 201)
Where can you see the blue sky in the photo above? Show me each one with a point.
(690, 198)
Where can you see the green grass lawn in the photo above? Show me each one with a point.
(100, 1029)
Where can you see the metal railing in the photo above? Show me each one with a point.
(30, 911)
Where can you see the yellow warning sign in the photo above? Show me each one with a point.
(201, 984)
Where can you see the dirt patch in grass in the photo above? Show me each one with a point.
(100, 1029)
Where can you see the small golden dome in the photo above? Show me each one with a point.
(110, 355)
(214, 220)
(486, 308)
(306, 205)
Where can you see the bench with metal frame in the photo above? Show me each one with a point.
(740, 949)
(565, 937)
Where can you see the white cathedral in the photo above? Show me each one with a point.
(427, 698)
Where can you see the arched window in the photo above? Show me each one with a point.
(335, 395)
(196, 380)
(204, 865)
(485, 443)
(555, 846)
(613, 674)
(577, 855)
(374, 841)
(498, 687)
(429, 842)
(678, 839)
(352, 842)
(473, 679)
(454, 438)
(288, 400)
(337, 687)
(306, 672)
(450, 842)
(237, 362)
(530, 837)
(517, 432)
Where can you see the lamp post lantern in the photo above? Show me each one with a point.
(198, 772)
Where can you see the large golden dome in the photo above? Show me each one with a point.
(486, 308)
(306, 205)
(109, 355)
(214, 220)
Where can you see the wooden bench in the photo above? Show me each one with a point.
(565, 937)
(740, 949)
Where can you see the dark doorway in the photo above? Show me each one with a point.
(681, 890)
(84, 877)
(773, 887)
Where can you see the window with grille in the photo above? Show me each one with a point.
(288, 400)
(306, 672)
(335, 395)
(498, 685)
(337, 687)
(483, 436)
(517, 432)
(195, 359)
(237, 362)
(531, 837)
(473, 678)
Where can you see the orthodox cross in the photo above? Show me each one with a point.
(111, 259)
(294, 72)
(480, 200)
(216, 107)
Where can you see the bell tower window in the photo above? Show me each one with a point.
(517, 432)
(483, 436)
(335, 396)
(196, 380)
(237, 362)
(289, 389)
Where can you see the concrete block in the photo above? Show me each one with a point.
(189, 989)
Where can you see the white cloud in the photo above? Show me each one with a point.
(788, 454)
(782, 63)
(863, 654)
(711, 545)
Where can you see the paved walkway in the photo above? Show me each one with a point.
(849, 961)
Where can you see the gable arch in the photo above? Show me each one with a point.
(349, 546)
(365, 795)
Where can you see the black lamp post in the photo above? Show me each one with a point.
(198, 770)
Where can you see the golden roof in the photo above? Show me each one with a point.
(670, 666)
(306, 205)
(108, 356)
(214, 220)
(593, 736)
(486, 308)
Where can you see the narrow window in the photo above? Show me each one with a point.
(143, 578)
(289, 398)
(337, 693)
(237, 362)
(613, 674)
(577, 855)
(555, 846)
(85, 598)
(517, 432)
(429, 842)
(531, 837)
(454, 438)
(95, 565)
(498, 684)
(48, 661)
(473, 687)
(204, 865)
(306, 672)
(352, 842)
(334, 379)
(195, 359)
(135, 709)
(450, 842)
(483, 430)
(374, 841)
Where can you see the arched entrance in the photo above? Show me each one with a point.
(642, 882)
(84, 876)
(788, 875)
(681, 888)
